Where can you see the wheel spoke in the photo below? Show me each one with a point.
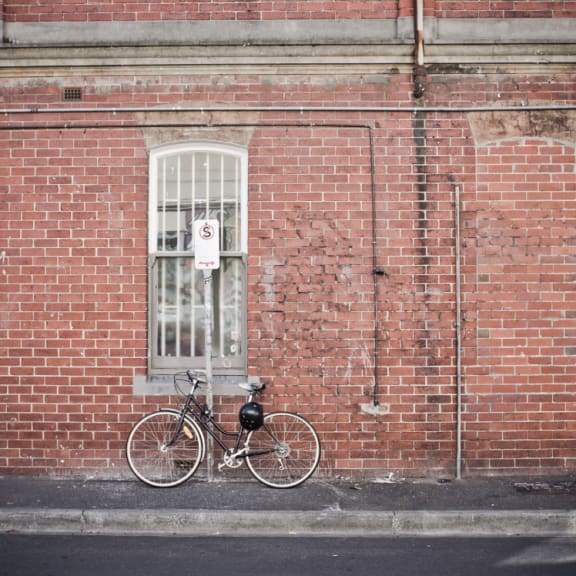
(284, 452)
(156, 457)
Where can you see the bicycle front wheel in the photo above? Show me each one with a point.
(157, 457)
(284, 451)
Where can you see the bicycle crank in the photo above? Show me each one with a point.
(232, 460)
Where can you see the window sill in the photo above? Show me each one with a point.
(163, 385)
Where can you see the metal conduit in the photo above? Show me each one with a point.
(459, 391)
(298, 109)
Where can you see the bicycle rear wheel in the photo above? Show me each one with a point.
(153, 461)
(284, 451)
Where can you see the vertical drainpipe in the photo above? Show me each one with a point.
(419, 71)
(2, 31)
(458, 337)
(420, 131)
(420, 32)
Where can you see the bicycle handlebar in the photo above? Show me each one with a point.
(196, 377)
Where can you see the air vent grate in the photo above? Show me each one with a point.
(72, 94)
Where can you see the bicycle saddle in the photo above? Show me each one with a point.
(251, 386)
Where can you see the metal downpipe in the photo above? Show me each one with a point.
(458, 336)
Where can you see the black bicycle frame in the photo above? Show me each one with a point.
(202, 415)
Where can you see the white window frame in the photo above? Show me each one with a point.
(158, 363)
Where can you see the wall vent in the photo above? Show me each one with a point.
(72, 94)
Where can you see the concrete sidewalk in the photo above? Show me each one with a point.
(475, 507)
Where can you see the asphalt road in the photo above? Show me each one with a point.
(33, 555)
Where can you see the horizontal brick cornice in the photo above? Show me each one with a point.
(320, 60)
(292, 32)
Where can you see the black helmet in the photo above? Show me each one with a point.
(251, 416)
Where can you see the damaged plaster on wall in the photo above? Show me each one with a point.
(491, 126)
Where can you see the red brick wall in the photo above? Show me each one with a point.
(311, 319)
(504, 9)
(106, 10)
(521, 402)
(73, 301)
(73, 334)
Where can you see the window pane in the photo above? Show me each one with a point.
(167, 315)
(194, 184)
(230, 223)
(229, 306)
(181, 310)
(169, 205)
(200, 184)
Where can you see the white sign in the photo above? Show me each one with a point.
(206, 244)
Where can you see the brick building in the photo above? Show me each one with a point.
(396, 189)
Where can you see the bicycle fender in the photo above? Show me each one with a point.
(193, 424)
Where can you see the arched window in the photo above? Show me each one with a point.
(187, 183)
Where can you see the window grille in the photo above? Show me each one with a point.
(188, 184)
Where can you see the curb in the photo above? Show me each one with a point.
(292, 523)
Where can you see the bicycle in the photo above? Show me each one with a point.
(166, 447)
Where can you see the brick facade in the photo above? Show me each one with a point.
(106, 10)
(356, 216)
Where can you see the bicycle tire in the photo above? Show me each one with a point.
(152, 461)
(284, 451)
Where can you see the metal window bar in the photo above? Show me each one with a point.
(162, 300)
(191, 275)
(163, 225)
(207, 175)
(181, 204)
(222, 192)
(237, 245)
(162, 306)
(178, 282)
(222, 314)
